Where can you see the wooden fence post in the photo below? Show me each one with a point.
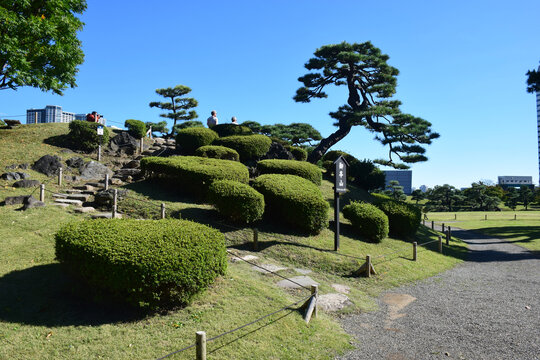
(440, 244)
(200, 341)
(455, 216)
(60, 175)
(515, 217)
(447, 238)
(106, 181)
(142, 145)
(432, 225)
(415, 251)
(42, 192)
(485, 217)
(163, 210)
(115, 203)
(442, 227)
(315, 292)
(255, 239)
(368, 266)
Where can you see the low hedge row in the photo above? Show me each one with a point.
(224, 130)
(293, 167)
(149, 264)
(404, 219)
(293, 200)
(217, 152)
(190, 139)
(236, 201)
(83, 135)
(136, 128)
(368, 220)
(194, 174)
(249, 147)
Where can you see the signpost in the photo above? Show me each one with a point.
(340, 186)
(100, 134)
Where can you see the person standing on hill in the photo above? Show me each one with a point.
(234, 121)
(212, 120)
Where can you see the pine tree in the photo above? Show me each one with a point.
(178, 105)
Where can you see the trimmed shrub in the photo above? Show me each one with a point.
(236, 201)
(193, 174)
(83, 135)
(187, 124)
(293, 167)
(149, 264)
(293, 200)
(217, 152)
(404, 219)
(190, 139)
(249, 147)
(298, 153)
(367, 219)
(136, 128)
(224, 130)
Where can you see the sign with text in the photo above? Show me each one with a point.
(100, 130)
(340, 185)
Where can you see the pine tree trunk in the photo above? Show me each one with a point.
(328, 142)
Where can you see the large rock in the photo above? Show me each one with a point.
(15, 176)
(75, 162)
(48, 165)
(278, 151)
(30, 202)
(123, 174)
(26, 183)
(133, 164)
(94, 170)
(15, 200)
(105, 197)
(124, 143)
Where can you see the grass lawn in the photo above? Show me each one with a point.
(41, 317)
(524, 231)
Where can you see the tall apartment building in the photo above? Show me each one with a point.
(53, 114)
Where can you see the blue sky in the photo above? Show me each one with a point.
(462, 67)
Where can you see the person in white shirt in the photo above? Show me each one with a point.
(212, 120)
(233, 120)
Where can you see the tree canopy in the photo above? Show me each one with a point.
(178, 106)
(39, 45)
(371, 82)
(533, 80)
(295, 133)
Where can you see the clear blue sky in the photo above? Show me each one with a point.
(462, 67)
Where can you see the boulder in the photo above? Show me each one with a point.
(75, 162)
(94, 170)
(15, 200)
(124, 143)
(133, 164)
(48, 165)
(14, 176)
(105, 197)
(124, 174)
(278, 151)
(12, 167)
(30, 202)
(26, 183)
(24, 166)
(12, 122)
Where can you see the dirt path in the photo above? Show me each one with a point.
(486, 308)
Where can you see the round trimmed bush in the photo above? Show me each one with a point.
(217, 152)
(367, 219)
(136, 128)
(236, 201)
(190, 139)
(83, 135)
(298, 153)
(249, 147)
(293, 200)
(193, 174)
(148, 264)
(293, 167)
(404, 219)
(224, 130)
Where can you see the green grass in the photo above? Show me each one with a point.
(41, 316)
(524, 231)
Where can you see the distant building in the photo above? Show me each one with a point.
(515, 181)
(423, 188)
(53, 114)
(404, 177)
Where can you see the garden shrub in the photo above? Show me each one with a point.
(293, 200)
(367, 219)
(404, 219)
(83, 135)
(193, 174)
(362, 173)
(136, 128)
(224, 130)
(236, 201)
(190, 139)
(149, 264)
(249, 147)
(187, 124)
(217, 152)
(298, 153)
(293, 167)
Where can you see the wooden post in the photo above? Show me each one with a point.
(315, 293)
(450, 230)
(515, 217)
(106, 182)
(42, 192)
(60, 175)
(115, 203)
(448, 238)
(432, 225)
(440, 244)
(414, 251)
(455, 216)
(442, 227)
(336, 221)
(142, 145)
(35, 117)
(485, 217)
(163, 210)
(368, 266)
(99, 153)
(200, 341)
(255, 239)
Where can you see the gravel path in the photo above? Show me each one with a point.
(485, 308)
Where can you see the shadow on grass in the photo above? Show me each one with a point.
(42, 295)
(528, 233)
(160, 189)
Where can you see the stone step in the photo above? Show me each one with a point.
(74, 191)
(69, 202)
(107, 215)
(82, 197)
(83, 210)
(60, 196)
(85, 188)
(95, 184)
(60, 205)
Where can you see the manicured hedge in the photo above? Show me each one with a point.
(190, 139)
(249, 147)
(193, 174)
(136, 128)
(367, 219)
(148, 264)
(293, 167)
(217, 152)
(298, 153)
(236, 201)
(404, 219)
(224, 130)
(293, 200)
(83, 135)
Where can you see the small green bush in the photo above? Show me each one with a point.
(224, 130)
(136, 128)
(368, 220)
(404, 219)
(187, 124)
(236, 201)
(298, 153)
(149, 264)
(217, 152)
(293, 167)
(83, 135)
(193, 174)
(249, 147)
(190, 139)
(293, 200)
